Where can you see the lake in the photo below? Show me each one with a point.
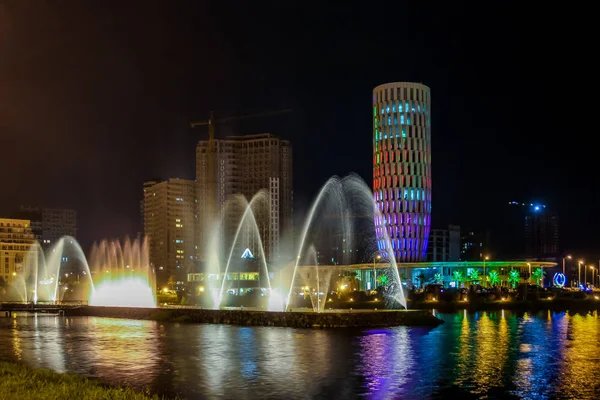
(498, 354)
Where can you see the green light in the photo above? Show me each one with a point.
(374, 111)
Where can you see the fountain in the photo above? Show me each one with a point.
(347, 196)
(119, 274)
(122, 275)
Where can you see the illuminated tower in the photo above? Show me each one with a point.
(402, 168)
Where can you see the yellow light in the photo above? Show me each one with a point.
(351, 299)
(465, 299)
(569, 257)
(14, 274)
(596, 297)
(503, 299)
(433, 299)
(487, 257)
(165, 290)
(376, 299)
(201, 288)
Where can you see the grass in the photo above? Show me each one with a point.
(24, 383)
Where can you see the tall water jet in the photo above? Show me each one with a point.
(317, 279)
(333, 189)
(122, 274)
(361, 197)
(248, 220)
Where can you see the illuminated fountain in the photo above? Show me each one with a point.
(41, 273)
(344, 197)
(122, 275)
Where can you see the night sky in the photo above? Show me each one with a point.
(97, 96)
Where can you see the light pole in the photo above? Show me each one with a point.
(529, 265)
(377, 257)
(579, 272)
(564, 258)
(592, 268)
(484, 260)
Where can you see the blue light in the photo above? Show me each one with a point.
(247, 254)
(537, 208)
(559, 279)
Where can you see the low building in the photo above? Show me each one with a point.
(444, 244)
(50, 224)
(16, 239)
(451, 273)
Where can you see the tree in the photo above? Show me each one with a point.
(514, 278)
(474, 275)
(437, 278)
(537, 275)
(458, 277)
(171, 282)
(421, 278)
(494, 278)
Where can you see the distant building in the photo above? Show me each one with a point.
(169, 224)
(244, 165)
(402, 168)
(474, 246)
(50, 224)
(16, 238)
(444, 244)
(536, 228)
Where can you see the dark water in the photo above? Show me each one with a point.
(482, 355)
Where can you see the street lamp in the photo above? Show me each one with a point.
(377, 257)
(579, 272)
(564, 258)
(484, 260)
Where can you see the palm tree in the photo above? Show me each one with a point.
(437, 278)
(537, 275)
(494, 278)
(474, 275)
(514, 278)
(458, 277)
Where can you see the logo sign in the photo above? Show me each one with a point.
(559, 279)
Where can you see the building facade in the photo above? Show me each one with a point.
(244, 165)
(16, 238)
(169, 223)
(444, 244)
(535, 229)
(50, 224)
(402, 169)
(474, 246)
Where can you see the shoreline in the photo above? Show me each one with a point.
(20, 381)
(336, 320)
(559, 305)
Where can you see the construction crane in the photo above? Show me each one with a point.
(211, 122)
(211, 152)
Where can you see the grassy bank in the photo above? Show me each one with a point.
(24, 383)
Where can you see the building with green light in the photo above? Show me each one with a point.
(449, 274)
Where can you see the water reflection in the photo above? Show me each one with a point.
(483, 355)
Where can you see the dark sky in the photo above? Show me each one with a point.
(96, 97)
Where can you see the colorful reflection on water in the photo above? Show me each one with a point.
(496, 354)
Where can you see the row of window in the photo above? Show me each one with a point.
(401, 93)
(391, 167)
(398, 181)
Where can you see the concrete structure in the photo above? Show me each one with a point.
(50, 224)
(402, 168)
(422, 273)
(244, 165)
(533, 231)
(474, 246)
(444, 244)
(16, 239)
(169, 223)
